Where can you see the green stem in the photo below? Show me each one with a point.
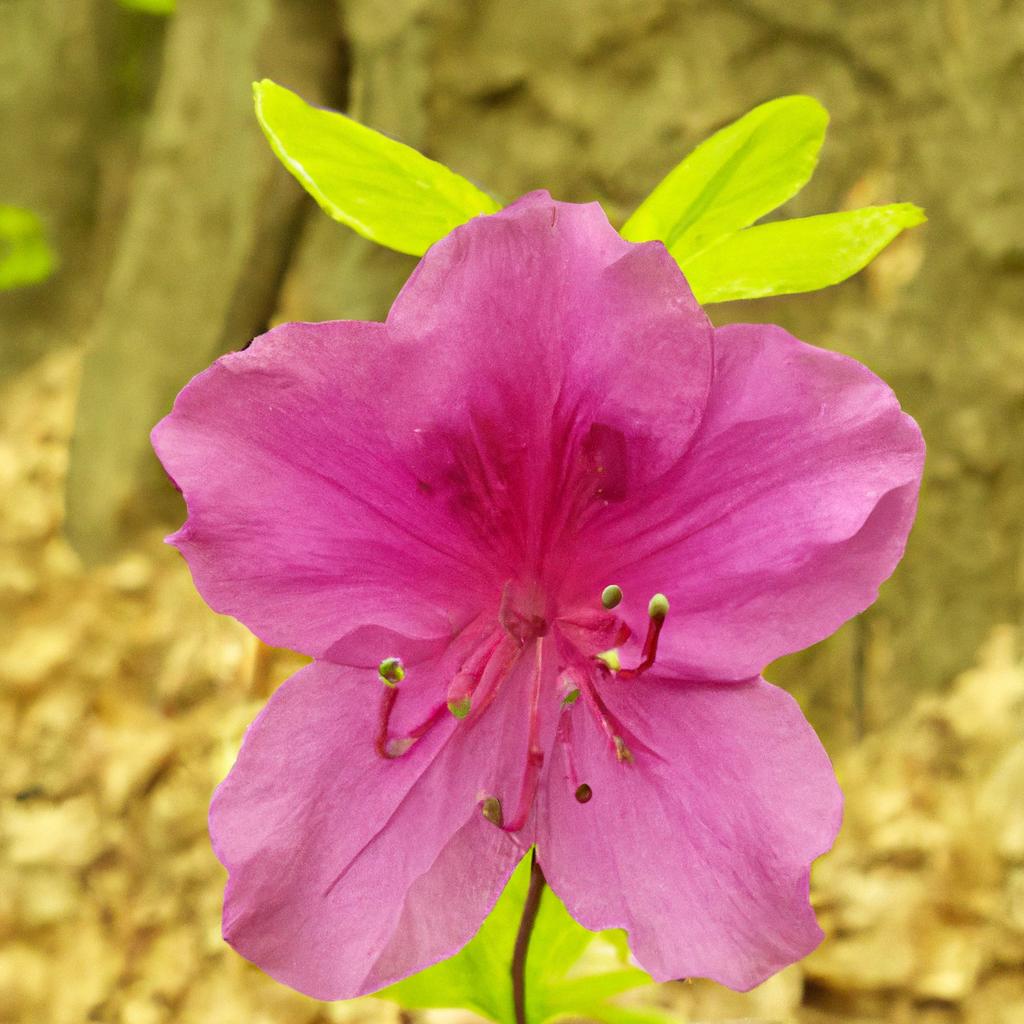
(530, 908)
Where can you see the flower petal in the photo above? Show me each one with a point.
(305, 520)
(337, 856)
(702, 848)
(543, 306)
(330, 467)
(790, 508)
(545, 330)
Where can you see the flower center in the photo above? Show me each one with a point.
(584, 641)
(522, 613)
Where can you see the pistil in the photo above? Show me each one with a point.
(534, 754)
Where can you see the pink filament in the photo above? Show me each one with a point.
(467, 679)
(650, 649)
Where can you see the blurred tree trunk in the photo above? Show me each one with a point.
(66, 126)
(336, 274)
(205, 240)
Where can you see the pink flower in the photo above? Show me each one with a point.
(546, 411)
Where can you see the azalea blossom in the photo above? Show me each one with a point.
(540, 530)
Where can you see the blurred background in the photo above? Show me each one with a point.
(177, 236)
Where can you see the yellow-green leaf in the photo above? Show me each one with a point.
(25, 258)
(797, 255)
(731, 180)
(386, 191)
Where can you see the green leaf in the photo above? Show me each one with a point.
(737, 176)
(387, 192)
(569, 970)
(25, 258)
(797, 255)
(149, 6)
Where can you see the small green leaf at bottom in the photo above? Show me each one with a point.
(25, 258)
(797, 255)
(569, 970)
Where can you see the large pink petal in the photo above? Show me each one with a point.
(305, 520)
(542, 312)
(702, 848)
(791, 506)
(545, 330)
(337, 857)
(350, 474)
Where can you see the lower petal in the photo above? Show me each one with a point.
(349, 870)
(701, 849)
(445, 906)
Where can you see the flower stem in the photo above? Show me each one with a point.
(530, 908)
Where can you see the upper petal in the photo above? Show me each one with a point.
(545, 330)
(790, 507)
(701, 849)
(349, 474)
(543, 309)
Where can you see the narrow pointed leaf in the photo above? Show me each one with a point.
(797, 255)
(25, 258)
(386, 191)
(737, 176)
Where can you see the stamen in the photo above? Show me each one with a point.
(608, 723)
(475, 638)
(611, 597)
(500, 663)
(391, 748)
(611, 659)
(571, 697)
(460, 708)
(391, 671)
(584, 793)
(564, 735)
(463, 686)
(657, 610)
(491, 810)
